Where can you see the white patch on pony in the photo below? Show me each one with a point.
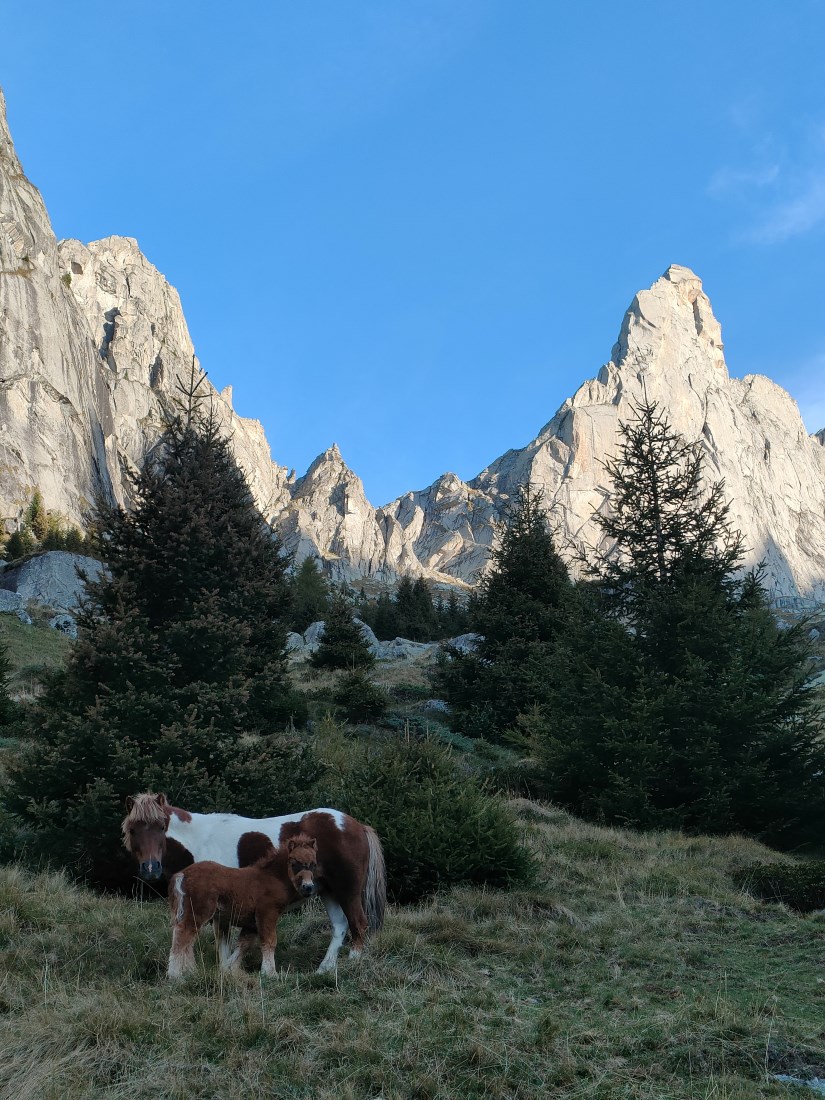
(216, 836)
(339, 931)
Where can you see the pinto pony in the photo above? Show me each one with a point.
(250, 898)
(166, 839)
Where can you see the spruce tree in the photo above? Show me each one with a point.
(19, 543)
(178, 680)
(519, 610)
(342, 644)
(682, 704)
(310, 595)
(384, 618)
(36, 518)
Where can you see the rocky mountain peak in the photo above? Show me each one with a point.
(670, 331)
(93, 341)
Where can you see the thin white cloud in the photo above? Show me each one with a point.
(727, 180)
(793, 216)
(780, 189)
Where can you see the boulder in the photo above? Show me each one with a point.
(315, 631)
(313, 635)
(464, 643)
(51, 579)
(66, 624)
(11, 601)
(402, 649)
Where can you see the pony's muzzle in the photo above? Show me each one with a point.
(307, 889)
(150, 870)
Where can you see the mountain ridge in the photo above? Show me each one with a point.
(93, 342)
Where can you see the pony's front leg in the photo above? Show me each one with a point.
(338, 921)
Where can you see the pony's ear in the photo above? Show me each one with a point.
(313, 843)
(162, 801)
(130, 802)
(290, 844)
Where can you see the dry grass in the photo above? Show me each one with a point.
(30, 650)
(638, 970)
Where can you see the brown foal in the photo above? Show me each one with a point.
(250, 898)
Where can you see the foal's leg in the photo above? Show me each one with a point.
(182, 955)
(268, 931)
(339, 930)
(223, 947)
(246, 940)
(185, 928)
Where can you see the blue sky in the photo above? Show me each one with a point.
(413, 226)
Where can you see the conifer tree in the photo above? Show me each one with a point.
(19, 543)
(342, 644)
(310, 595)
(177, 681)
(36, 518)
(682, 703)
(384, 618)
(519, 610)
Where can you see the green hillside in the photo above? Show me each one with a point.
(636, 970)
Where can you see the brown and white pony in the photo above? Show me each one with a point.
(250, 898)
(165, 839)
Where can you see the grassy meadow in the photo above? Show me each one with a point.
(634, 968)
(32, 651)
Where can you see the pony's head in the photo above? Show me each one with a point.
(144, 832)
(302, 864)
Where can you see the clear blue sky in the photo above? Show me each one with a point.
(413, 226)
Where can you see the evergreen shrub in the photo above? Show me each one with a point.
(359, 698)
(800, 886)
(438, 825)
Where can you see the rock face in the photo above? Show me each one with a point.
(93, 343)
(51, 579)
(670, 348)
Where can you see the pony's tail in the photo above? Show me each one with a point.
(375, 885)
(177, 898)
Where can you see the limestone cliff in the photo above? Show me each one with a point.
(93, 343)
(670, 347)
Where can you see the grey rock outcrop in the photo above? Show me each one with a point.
(93, 343)
(51, 579)
(13, 604)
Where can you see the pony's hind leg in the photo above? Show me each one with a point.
(339, 930)
(357, 921)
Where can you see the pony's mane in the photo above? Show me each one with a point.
(145, 811)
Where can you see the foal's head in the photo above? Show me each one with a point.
(144, 832)
(302, 864)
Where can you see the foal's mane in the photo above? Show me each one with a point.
(145, 810)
